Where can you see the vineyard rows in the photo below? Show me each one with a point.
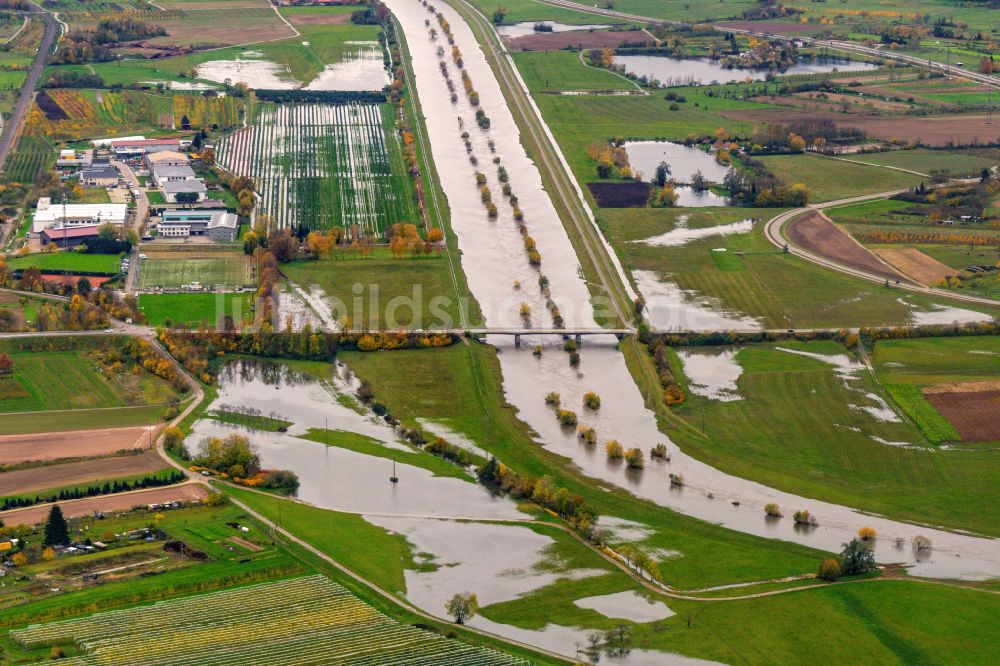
(308, 620)
(30, 157)
(320, 165)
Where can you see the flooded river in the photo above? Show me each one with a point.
(493, 260)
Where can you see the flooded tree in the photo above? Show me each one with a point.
(463, 607)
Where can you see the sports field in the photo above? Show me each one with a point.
(172, 270)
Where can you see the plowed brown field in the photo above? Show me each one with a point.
(815, 233)
(121, 502)
(33, 479)
(71, 444)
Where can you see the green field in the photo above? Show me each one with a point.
(830, 179)
(529, 10)
(214, 269)
(56, 380)
(956, 162)
(353, 284)
(372, 447)
(195, 309)
(817, 441)
(937, 360)
(563, 70)
(106, 264)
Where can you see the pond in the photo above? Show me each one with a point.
(523, 28)
(669, 71)
(684, 162)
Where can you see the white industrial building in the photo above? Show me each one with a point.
(74, 215)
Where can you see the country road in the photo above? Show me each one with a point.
(10, 130)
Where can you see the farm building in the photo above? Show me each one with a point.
(189, 191)
(69, 236)
(51, 214)
(125, 148)
(218, 224)
(103, 175)
(166, 158)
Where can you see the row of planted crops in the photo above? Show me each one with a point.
(321, 165)
(307, 620)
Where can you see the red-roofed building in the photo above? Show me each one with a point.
(70, 236)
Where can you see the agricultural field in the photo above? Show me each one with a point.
(958, 163)
(954, 378)
(562, 70)
(52, 446)
(365, 288)
(195, 309)
(33, 155)
(320, 166)
(309, 620)
(71, 114)
(212, 267)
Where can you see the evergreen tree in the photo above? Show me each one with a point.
(56, 531)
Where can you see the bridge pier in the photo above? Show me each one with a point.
(517, 339)
(579, 339)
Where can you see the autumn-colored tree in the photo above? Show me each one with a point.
(462, 606)
(6, 364)
(829, 570)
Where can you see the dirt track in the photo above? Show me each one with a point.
(34, 479)
(121, 502)
(72, 444)
(934, 130)
(552, 41)
(816, 234)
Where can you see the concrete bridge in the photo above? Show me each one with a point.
(566, 333)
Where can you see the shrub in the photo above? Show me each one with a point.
(658, 451)
(566, 417)
(772, 510)
(804, 518)
(677, 480)
(921, 543)
(552, 398)
(574, 359)
(829, 569)
(867, 534)
(586, 434)
(614, 450)
(570, 345)
(633, 458)
(591, 400)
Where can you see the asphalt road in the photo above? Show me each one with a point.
(139, 221)
(24, 99)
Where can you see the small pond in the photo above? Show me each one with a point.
(700, 71)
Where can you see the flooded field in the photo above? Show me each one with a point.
(335, 478)
(528, 28)
(666, 71)
(626, 606)
(668, 307)
(361, 69)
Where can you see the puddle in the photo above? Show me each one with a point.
(627, 605)
(361, 69)
(942, 315)
(681, 234)
(712, 373)
(256, 73)
(668, 307)
(294, 311)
